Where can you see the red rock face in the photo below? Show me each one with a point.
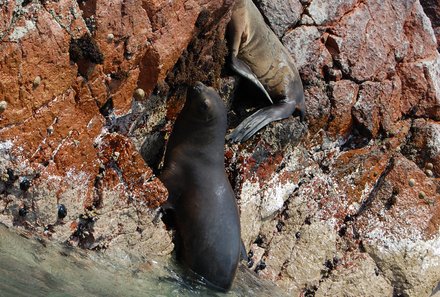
(346, 202)
(68, 69)
(345, 93)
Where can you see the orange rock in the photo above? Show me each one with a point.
(397, 207)
(344, 97)
(359, 169)
(21, 62)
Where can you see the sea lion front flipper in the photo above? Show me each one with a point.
(243, 253)
(261, 118)
(301, 108)
(244, 70)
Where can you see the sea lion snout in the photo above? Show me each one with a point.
(201, 90)
(199, 86)
(204, 103)
(196, 91)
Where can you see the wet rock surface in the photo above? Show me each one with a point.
(346, 203)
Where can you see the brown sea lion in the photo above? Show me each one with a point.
(201, 199)
(258, 55)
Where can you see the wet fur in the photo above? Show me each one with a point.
(201, 198)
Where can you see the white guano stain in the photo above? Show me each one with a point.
(20, 32)
(6, 145)
(275, 195)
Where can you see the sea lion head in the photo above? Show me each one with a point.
(204, 105)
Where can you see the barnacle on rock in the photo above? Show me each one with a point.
(37, 81)
(3, 106)
(139, 94)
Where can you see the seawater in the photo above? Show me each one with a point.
(33, 266)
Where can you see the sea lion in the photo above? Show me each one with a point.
(258, 55)
(201, 199)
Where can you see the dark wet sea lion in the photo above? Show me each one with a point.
(257, 54)
(201, 199)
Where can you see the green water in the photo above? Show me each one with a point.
(37, 267)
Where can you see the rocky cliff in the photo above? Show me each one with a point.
(346, 204)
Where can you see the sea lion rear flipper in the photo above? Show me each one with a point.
(244, 70)
(261, 118)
